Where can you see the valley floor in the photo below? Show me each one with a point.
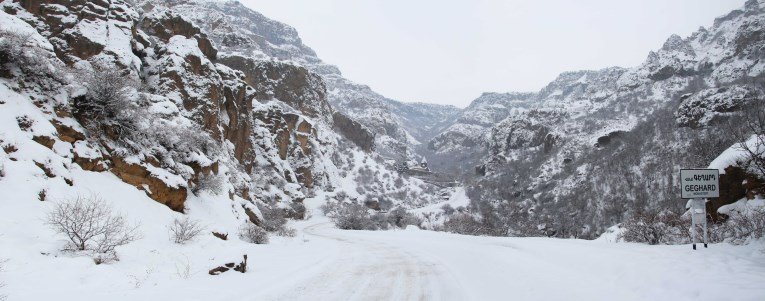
(324, 263)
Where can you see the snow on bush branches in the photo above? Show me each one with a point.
(90, 224)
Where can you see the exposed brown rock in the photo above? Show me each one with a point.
(241, 267)
(735, 184)
(82, 47)
(90, 164)
(158, 190)
(221, 235)
(45, 141)
(48, 172)
(252, 216)
(305, 176)
(67, 133)
(169, 24)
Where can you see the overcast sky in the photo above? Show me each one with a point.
(449, 52)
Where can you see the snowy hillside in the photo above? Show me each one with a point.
(564, 147)
(238, 31)
(131, 109)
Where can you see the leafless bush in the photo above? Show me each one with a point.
(750, 133)
(184, 230)
(107, 108)
(253, 233)
(286, 232)
(330, 207)
(91, 224)
(12, 44)
(298, 210)
(655, 227)
(401, 218)
(448, 209)
(181, 138)
(380, 220)
(463, 223)
(208, 182)
(352, 216)
(12, 48)
(744, 226)
(273, 218)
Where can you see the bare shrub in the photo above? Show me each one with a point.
(107, 108)
(401, 218)
(273, 218)
(329, 207)
(297, 210)
(744, 226)
(750, 133)
(208, 182)
(380, 220)
(184, 230)
(355, 216)
(253, 234)
(286, 232)
(12, 45)
(13, 51)
(91, 224)
(463, 223)
(448, 209)
(655, 227)
(352, 216)
(181, 138)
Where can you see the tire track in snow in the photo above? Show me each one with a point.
(370, 270)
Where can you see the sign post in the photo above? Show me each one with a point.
(698, 185)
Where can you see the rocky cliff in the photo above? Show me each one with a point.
(593, 146)
(159, 94)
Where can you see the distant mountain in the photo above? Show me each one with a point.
(594, 146)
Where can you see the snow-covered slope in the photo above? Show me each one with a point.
(569, 144)
(133, 103)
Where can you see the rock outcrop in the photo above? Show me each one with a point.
(354, 131)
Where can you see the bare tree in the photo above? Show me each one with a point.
(184, 230)
(750, 133)
(253, 233)
(91, 224)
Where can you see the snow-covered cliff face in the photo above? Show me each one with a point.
(205, 107)
(593, 145)
(240, 32)
(473, 124)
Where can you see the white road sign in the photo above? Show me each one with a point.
(700, 183)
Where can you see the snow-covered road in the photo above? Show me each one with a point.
(325, 263)
(424, 265)
(369, 269)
